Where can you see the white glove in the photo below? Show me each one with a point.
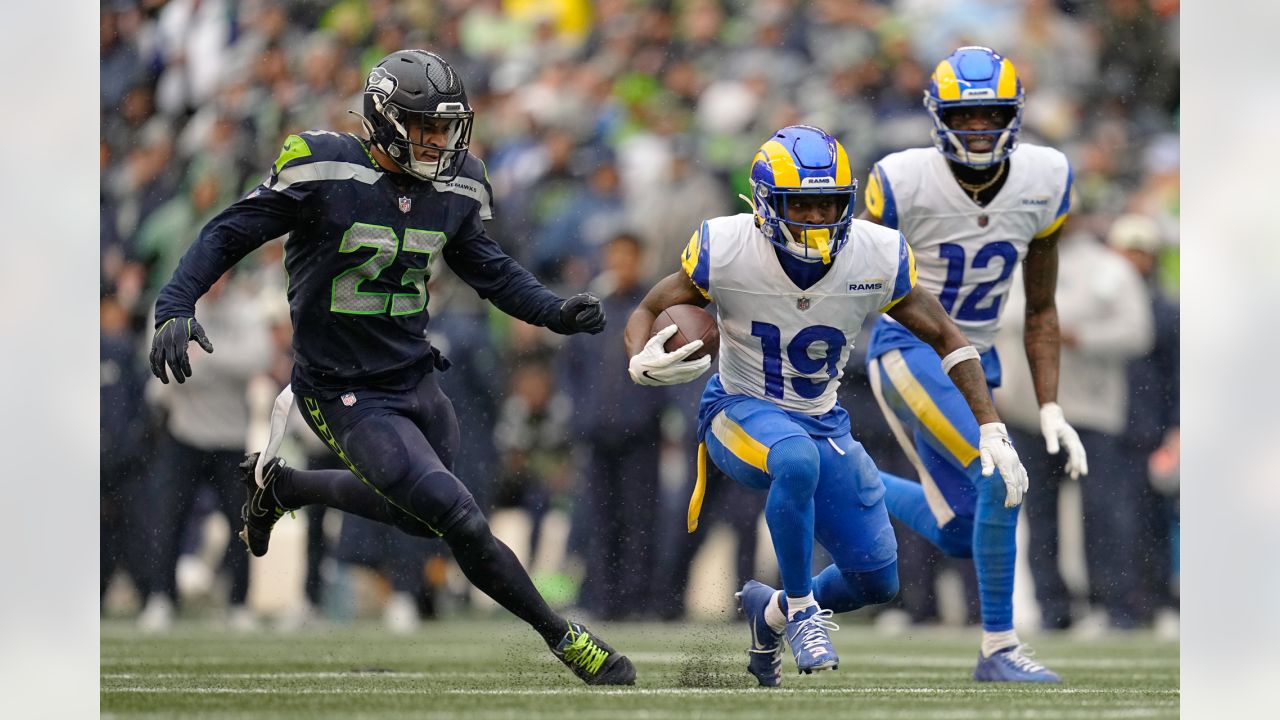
(1056, 430)
(655, 366)
(997, 453)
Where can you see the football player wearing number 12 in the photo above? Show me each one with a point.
(793, 281)
(365, 218)
(972, 211)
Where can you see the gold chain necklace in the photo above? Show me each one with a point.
(976, 190)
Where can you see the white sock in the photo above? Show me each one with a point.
(773, 614)
(993, 642)
(795, 605)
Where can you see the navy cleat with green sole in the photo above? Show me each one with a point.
(764, 657)
(261, 510)
(592, 659)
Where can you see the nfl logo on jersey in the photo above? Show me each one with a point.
(405, 204)
(802, 303)
(349, 399)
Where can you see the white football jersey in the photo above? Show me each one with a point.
(778, 342)
(967, 253)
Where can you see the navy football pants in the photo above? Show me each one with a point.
(401, 445)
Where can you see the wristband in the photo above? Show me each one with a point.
(955, 357)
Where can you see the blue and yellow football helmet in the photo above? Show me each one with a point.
(975, 76)
(802, 160)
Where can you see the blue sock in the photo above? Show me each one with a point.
(905, 501)
(845, 592)
(793, 471)
(995, 536)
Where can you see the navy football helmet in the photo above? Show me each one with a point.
(975, 77)
(800, 160)
(407, 90)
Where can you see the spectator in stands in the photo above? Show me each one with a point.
(1152, 435)
(206, 428)
(620, 423)
(1105, 318)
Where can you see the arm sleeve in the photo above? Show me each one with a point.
(880, 202)
(905, 279)
(479, 262)
(235, 232)
(1064, 207)
(696, 260)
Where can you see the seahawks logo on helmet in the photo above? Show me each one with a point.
(382, 83)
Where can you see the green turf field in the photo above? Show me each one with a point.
(496, 669)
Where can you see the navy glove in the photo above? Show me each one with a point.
(169, 347)
(582, 313)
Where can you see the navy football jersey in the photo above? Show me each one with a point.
(358, 255)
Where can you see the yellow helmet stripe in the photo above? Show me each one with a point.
(1007, 87)
(945, 76)
(844, 174)
(785, 172)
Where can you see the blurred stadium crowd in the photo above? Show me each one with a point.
(610, 130)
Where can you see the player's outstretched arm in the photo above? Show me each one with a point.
(650, 364)
(921, 313)
(228, 237)
(1042, 340)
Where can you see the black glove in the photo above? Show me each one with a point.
(169, 347)
(582, 313)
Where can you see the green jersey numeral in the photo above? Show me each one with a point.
(349, 299)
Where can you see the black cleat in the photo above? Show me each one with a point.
(592, 659)
(261, 510)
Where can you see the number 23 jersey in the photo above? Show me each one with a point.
(360, 247)
(781, 343)
(966, 252)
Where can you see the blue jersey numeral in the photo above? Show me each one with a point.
(798, 353)
(955, 256)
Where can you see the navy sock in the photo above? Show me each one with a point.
(491, 566)
(848, 591)
(793, 470)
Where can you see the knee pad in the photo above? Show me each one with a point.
(875, 587)
(794, 462)
(468, 525)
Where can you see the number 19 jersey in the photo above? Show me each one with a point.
(967, 252)
(778, 342)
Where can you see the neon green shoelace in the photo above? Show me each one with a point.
(585, 653)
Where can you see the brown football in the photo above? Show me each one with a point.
(692, 323)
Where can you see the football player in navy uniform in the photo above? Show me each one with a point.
(364, 219)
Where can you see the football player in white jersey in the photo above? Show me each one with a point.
(972, 210)
(793, 282)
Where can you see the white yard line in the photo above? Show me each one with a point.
(678, 692)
